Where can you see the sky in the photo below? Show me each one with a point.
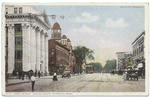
(104, 29)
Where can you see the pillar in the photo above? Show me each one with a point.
(26, 47)
(33, 47)
(46, 53)
(11, 48)
(42, 52)
(38, 48)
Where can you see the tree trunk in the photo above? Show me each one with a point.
(80, 68)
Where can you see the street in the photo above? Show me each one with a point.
(96, 82)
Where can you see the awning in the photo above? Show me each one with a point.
(140, 65)
(129, 66)
(143, 60)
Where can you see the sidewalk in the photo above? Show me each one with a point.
(20, 81)
(17, 81)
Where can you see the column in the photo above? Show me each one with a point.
(42, 52)
(38, 49)
(46, 53)
(33, 47)
(26, 47)
(11, 48)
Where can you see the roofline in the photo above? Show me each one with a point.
(138, 37)
(123, 52)
(62, 46)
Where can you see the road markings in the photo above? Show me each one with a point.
(80, 88)
(112, 86)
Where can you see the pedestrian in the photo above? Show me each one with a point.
(55, 77)
(39, 74)
(35, 73)
(22, 75)
(125, 75)
(33, 81)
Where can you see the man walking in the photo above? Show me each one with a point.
(33, 81)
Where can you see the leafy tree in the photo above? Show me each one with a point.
(97, 66)
(82, 53)
(110, 64)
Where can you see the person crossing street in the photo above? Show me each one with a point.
(33, 82)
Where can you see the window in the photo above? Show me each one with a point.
(6, 29)
(137, 51)
(20, 9)
(52, 51)
(142, 48)
(6, 40)
(6, 10)
(15, 10)
(18, 40)
(7, 53)
(17, 28)
(52, 59)
(18, 54)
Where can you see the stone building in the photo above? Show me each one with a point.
(138, 48)
(26, 39)
(128, 62)
(121, 56)
(60, 53)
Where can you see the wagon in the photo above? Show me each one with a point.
(66, 74)
(132, 74)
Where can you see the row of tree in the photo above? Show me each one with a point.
(110, 64)
(83, 53)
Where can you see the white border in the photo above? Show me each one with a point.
(80, 93)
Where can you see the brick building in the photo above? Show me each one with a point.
(60, 53)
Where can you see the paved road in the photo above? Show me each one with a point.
(96, 82)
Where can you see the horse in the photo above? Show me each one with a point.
(112, 72)
(28, 73)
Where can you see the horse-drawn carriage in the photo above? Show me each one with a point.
(132, 74)
(66, 74)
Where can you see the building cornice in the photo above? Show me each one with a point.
(28, 15)
(143, 33)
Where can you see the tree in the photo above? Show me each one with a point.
(97, 66)
(110, 64)
(82, 53)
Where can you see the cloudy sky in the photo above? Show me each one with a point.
(104, 29)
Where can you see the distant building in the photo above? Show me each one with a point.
(61, 57)
(26, 39)
(121, 56)
(128, 62)
(138, 48)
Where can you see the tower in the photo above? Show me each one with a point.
(56, 32)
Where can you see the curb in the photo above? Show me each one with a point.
(17, 83)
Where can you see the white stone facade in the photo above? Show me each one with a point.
(120, 59)
(138, 48)
(34, 26)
